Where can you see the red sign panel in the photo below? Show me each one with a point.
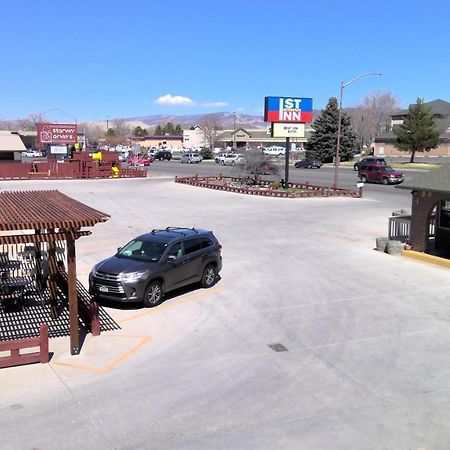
(56, 133)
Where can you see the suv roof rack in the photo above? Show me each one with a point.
(175, 230)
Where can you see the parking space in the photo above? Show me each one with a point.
(364, 335)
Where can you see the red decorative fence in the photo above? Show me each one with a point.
(17, 359)
(68, 170)
(298, 190)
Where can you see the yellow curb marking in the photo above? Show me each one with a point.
(143, 340)
(165, 306)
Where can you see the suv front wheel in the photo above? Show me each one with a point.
(209, 276)
(363, 178)
(153, 294)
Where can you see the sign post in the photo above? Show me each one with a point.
(288, 116)
(286, 163)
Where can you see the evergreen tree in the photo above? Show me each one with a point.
(110, 132)
(418, 132)
(169, 129)
(322, 142)
(178, 130)
(158, 131)
(139, 131)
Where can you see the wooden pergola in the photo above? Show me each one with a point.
(37, 217)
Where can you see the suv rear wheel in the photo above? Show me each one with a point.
(153, 294)
(209, 276)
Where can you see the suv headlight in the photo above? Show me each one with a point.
(132, 276)
(94, 271)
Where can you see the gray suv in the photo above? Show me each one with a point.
(157, 262)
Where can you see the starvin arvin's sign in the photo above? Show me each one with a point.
(56, 133)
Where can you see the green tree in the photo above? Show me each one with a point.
(110, 132)
(322, 142)
(169, 129)
(418, 132)
(139, 131)
(158, 130)
(178, 130)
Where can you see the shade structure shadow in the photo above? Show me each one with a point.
(25, 321)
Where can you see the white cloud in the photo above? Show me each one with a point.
(214, 104)
(176, 100)
(170, 99)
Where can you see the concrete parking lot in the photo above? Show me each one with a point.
(366, 335)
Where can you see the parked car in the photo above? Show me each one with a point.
(162, 155)
(191, 158)
(232, 159)
(155, 263)
(221, 156)
(275, 150)
(369, 160)
(380, 174)
(32, 153)
(308, 163)
(139, 160)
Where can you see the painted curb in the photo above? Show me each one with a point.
(424, 257)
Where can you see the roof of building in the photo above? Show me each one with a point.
(438, 107)
(11, 142)
(25, 210)
(437, 180)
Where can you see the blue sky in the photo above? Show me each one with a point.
(94, 59)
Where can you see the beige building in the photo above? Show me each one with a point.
(385, 143)
(11, 146)
(243, 137)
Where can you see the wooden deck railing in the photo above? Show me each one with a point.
(400, 227)
(14, 346)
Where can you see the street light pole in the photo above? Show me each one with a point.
(338, 140)
(234, 130)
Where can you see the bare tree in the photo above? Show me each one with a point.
(121, 128)
(371, 117)
(211, 130)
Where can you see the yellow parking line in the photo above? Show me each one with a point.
(165, 306)
(113, 363)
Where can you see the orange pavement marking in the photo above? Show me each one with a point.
(143, 340)
(165, 306)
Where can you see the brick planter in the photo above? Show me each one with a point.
(230, 184)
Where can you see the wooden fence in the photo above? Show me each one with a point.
(68, 170)
(14, 346)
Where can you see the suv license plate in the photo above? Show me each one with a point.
(103, 289)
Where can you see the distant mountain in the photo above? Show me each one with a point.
(224, 119)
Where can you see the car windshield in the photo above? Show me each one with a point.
(141, 250)
(388, 169)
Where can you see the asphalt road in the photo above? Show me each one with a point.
(347, 178)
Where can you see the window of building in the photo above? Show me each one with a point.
(444, 214)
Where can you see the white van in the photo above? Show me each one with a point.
(275, 150)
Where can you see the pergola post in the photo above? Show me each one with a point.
(72, 293)
(52, 280)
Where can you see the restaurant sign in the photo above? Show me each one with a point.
(56, 133)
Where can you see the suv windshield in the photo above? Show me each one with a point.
(141, 250)
(388, 169)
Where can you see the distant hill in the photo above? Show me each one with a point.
(224, 119)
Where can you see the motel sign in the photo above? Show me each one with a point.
(288, 109)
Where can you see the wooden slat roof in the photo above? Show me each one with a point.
(22, 210)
